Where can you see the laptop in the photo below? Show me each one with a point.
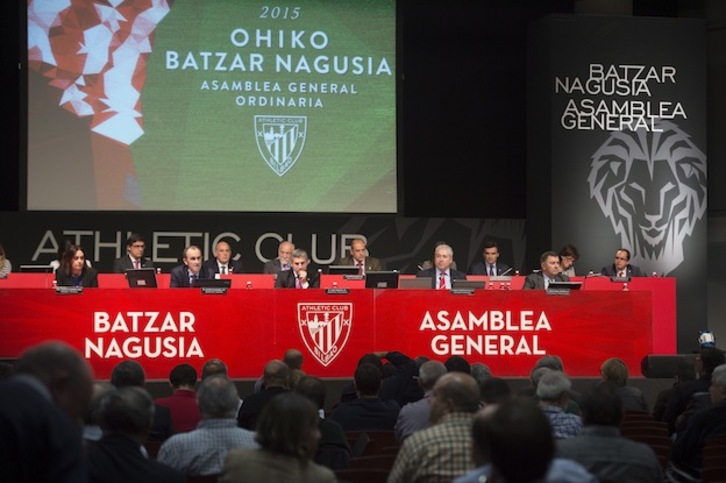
(141, 278)
(384, 279)
(563, 286)
(36, 268)
(212, 282)
(468, 284)
(415, 283)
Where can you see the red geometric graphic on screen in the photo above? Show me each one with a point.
(95, 53)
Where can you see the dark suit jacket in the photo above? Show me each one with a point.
(371, 264)
(535, 281)
(180, 276)
(235, 265)
(161, 425)
(39, 443)
(252, 407)
(273, 266)
(116, 458)
(480, 268)
(120, 265)
(631, 271)
(89, 279)
(431, 272)
(286, 279)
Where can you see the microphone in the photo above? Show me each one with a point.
(505, 272)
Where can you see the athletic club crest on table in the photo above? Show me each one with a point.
(325, 328)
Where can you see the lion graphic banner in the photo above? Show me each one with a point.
(619, 132)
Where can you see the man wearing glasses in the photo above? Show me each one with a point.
(134, 257)
(622, 267)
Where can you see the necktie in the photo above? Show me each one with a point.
(298, 282)
(491, 270)
(621, 273)
(137, 264)
(191, 279)
(224, 269)
(442, 281)
(285, 266)
(360, 268)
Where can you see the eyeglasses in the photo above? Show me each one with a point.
(138, 246)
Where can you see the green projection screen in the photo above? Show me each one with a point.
(215, 105)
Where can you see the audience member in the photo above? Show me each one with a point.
(333, 450)
(222, 262)
(490, 265)
(480, 372)
(130, 373)
(414, 416)
(622, 267)
(41, 408)
(457, 364)
(183, 402)
(601, 449)
(710, 421)
(183, 276)
(552, 392)
(368, 411)
(494, 390)
(126, 414)
(685, 371)
(5, 266)
(400, 385)
(214, 367)
(298, 276)
(288, 433)
(615, 372)
(359, 258)
(442, 273)
(549, 272)
(443, 451)
(282, 262)
(73, 270)
(514, 443)
(707, 360)
(92, 419)
(276, 377)
(134, 257)
(203, 450)
(568, 256)
(293, 358)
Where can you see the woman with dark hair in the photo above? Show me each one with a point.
(568, 256)
(74, 271)
(5, 266)
(288, 435)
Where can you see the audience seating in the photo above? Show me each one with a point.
(203, 479)
(714, 459)
(377, 440)
(152, 448)
(369, 475)
(379, 461)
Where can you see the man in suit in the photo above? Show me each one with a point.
(442, 273)
(358, 258)
(282, 262)
(41, 407)
(490, 265)
(126, 415)
(298, 276)
(549, 263)
(134, 257)
(622, 266)
(184, 275)
(222, 261)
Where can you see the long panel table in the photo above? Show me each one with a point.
(506, 329)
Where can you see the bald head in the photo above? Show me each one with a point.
(454, 392)
(276, 373)
(293, 358)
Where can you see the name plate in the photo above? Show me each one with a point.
(620, 279)
(462, 291)
(337, 291)
(214, 290)
(68, 290)
(500, 278)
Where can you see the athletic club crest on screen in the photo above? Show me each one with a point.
(325, 328)
(280, 140)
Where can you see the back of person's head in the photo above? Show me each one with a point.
(552, 386)
(276, 373)
(460, 389)
(615, 371)
(293, 358)
(457, 364)
(295, 376)
(494, 390)
(217, 398)
(429, 373)
(480, 372)
(367, 380)
(312, 388)
(93, 414)
(214, 367)
(128, 373)
(685, 371)
(600, 405)
(520, 441)
(127, 410)
(718, 379)
(537, 374)
(551, 362)
(183, 375)
(286, 426)
(62, 370)
(711, 357)
(371, 358)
